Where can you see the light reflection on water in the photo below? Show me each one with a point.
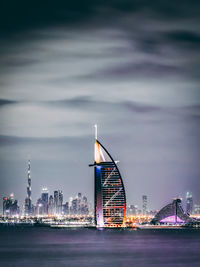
(89, 247)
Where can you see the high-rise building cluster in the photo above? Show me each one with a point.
(46, 204)
(134, 210)
(189, 203)
(196, 209)
(191, 208)
(10, 206)
(42, 204)
(54, 205)
(79, 205)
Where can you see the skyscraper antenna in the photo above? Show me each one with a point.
(95, 126)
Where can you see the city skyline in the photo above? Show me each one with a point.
(139, 204)
(131, 67)
(191, 206)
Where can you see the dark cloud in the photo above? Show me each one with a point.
(134, 70)
(141, 108)
(76, 101)
(18, 62)
(6, 102)
(186, 37)
(176, 39)
(23, 15)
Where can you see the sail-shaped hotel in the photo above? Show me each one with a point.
(110, 197)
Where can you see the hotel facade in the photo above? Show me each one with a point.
(110, 197)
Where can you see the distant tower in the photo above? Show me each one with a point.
(144, 205)
(28, 198)
(45, 199)
(189, 203)
(51, 209)
(58, 202)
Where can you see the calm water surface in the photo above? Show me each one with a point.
(29, 246)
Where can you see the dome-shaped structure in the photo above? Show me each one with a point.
(172, 213)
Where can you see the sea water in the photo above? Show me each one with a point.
(43, 246)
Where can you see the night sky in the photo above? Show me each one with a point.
(132, 67)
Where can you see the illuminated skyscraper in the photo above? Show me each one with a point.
(45, 199)
(189, 203)
(110, 198)
(51, 205)
(58, 201)
(28, 198)
(144, 205)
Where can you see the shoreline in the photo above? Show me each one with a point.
(81, 226)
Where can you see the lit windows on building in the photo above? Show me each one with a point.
(110, 198)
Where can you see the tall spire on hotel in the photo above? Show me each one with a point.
(95, 126)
